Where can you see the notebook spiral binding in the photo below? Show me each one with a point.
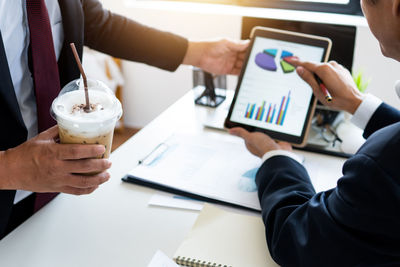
(189, 262)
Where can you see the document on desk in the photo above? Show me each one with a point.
(208, 167)
(175, 201)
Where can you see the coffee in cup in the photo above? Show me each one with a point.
(77, 126)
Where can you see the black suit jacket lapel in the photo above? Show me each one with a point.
(9, 108)
(13, 132)
(73, 25)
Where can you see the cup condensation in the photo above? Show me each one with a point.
(79, 127)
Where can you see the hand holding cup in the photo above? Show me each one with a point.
(43, 165)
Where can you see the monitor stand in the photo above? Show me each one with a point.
(209, 97)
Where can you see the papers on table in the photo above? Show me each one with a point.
(212, 167)
(175, 201)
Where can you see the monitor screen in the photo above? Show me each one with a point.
(338, 2)
(332, 6)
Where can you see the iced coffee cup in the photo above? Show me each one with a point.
(77, 126)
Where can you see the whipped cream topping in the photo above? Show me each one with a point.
(68, 109)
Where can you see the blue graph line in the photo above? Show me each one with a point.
(247, 182)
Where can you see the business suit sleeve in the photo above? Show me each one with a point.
(344, 226)
(124, 38)
(385, 115)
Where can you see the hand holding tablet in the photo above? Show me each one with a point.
(270, 97)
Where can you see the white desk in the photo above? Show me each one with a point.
(115, 226)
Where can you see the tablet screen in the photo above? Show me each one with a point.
(271, 95)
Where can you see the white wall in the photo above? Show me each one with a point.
(383, 71)
(149, 91)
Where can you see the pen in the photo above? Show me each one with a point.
(156, 153)
(325, 91)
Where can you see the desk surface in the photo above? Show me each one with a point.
(114, 226)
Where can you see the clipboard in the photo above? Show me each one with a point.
(140, 181)
(201, 167)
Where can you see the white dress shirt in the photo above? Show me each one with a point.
(14, 29)
(360, 119)
(365, 111)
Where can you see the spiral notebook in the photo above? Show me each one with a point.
(226, 239)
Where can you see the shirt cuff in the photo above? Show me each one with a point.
(274, 153)
(365, 111)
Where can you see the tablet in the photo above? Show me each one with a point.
(270, 96)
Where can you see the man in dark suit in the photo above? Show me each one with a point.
(358, 222)
(36, 61)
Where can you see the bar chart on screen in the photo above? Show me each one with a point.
(274, 113)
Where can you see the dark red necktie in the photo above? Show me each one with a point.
(45, 72)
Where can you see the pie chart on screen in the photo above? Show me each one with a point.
(267, 60)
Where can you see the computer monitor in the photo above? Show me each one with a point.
(332, 6)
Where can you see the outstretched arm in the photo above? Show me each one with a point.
(121, 37)
(124, 38)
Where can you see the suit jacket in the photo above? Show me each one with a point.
(355, 224)
(85, 22)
